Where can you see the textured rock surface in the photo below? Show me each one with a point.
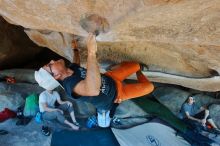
(173, 98)
(13, 95)
(214, 112)
(10, 100)
(20, 75)
(179, 37)
(16, 48)
(129, 109)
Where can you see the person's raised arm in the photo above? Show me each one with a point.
(76, 57)
(92, 83)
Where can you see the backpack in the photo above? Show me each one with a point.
(31, 105)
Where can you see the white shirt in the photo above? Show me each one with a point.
(48, 98)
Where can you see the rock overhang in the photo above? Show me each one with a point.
(178, 40)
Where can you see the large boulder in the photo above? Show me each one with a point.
(13, 96)
(214, 113)
(11, 100)
(178, 37)
(20, 75)
(16, 49)
(128, 109)
(130, 115)
(22, 88)
(173, 98)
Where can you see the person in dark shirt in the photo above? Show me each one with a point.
(102, 90)
(190, 111)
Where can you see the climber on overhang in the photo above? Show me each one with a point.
(102, 90)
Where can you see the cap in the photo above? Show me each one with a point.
(46, 80)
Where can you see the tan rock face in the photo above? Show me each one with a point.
(178, 37)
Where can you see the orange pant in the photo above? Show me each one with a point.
(133, 90)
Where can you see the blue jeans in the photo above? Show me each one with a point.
(56, 114)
